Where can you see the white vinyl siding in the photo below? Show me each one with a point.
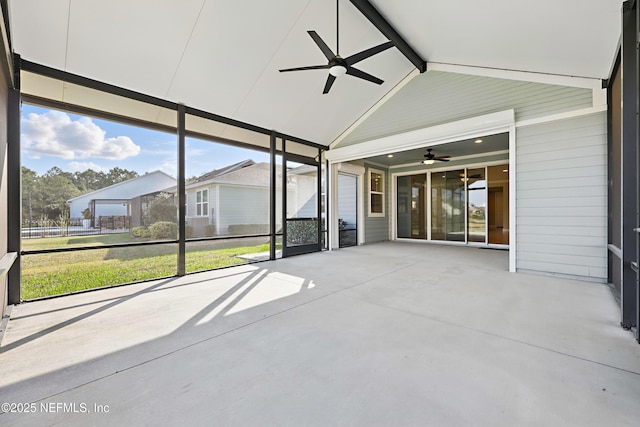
(562, 197)
(191, 203)
(242, 206)
(437, 97)
(213, 196)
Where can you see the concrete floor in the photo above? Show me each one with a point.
(385, 334)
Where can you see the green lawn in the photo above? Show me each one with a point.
(63, 272)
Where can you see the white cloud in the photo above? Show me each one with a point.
(83, 166)
(169, 167)
(54, 134)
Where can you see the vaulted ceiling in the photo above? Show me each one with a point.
(223, 56)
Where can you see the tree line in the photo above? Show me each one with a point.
(45, 196)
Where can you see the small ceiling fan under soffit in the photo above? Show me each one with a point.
(431, 158)
(338, 65)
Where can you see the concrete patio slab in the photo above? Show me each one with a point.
(385, 334)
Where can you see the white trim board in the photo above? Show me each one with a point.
(527, 76)
(562, 116)
(599, 95)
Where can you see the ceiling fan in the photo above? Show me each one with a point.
(338, 65)
(431, 158)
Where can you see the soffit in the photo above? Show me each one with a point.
(467, 151)
(223, 56)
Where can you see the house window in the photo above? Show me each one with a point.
(202, 202)
(376, 193)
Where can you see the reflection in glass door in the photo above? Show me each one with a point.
(412, 206)
(477, 207)
(448, 205)
(498, 212)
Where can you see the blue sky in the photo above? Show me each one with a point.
(75, 143)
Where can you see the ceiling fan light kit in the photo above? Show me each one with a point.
(338, 70)
(431, 158)
(339, 66)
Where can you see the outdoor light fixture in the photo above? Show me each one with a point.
(389, 155)
(429, 161)
(338, 70)
(478, 141)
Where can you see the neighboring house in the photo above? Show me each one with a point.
(235, 199)
(115, 200)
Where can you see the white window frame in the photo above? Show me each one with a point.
(202, 204)
(371, 193)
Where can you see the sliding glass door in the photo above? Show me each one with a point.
(448, 204)
(465, 205)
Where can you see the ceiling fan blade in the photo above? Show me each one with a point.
(357, 57)
(441, 159)
(362, 75)
(322, 45)
(329, 83)
(312, 67)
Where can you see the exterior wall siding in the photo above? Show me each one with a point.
(302, 201)
(191, 203)
(213, 196)
(561, 193)
(242, 206)
(437, 97)
(376, 228)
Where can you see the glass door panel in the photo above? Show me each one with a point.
(448, 205)
(412, 206)
(498, 204)
(419, 206)
(477, 196)
(403, 207)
